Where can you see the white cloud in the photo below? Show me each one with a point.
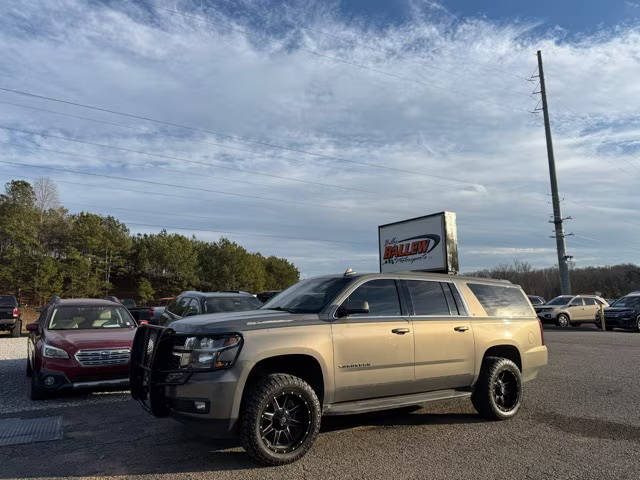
(441, 97)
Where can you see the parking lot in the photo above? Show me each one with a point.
(580, 420)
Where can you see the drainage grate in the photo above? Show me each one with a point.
(14, 431)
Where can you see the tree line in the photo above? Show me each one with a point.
(609, 281)
(46, 251)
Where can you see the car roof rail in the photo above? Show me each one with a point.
(112, 299)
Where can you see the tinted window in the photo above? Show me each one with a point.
(501, 301)
(90, 318)
(590, 301)
(309, 296)
(631, 301)
(428, 298)
(382, 296)
(576, 302)
(192, 308)
(561, 300)
(231, 304)
(8, 300)
(178, 306)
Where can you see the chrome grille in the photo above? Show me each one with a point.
(103, 357)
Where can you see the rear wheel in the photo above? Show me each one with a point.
(563, 321)
(497, 394)
(280, 420)
(16, 330)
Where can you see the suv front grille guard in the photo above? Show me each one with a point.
(153, 366)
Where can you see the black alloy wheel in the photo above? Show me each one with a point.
(280, 419)
(506, 391)
(285, 422)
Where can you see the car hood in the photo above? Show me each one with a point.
(73, 340)
(242, 321)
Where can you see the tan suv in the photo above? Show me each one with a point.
(571, 310)
(338, 345)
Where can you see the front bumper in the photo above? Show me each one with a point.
(203, 399)
(61, 382)
(547, 316)
(620, 322)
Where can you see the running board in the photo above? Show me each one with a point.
(386, 403)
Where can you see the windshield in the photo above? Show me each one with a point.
(308, 296)
(631, 301)
(7, 300)
(561, 300)
(90, 318)
(231, 304)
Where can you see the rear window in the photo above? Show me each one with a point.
(8, 300)
(231, 304)
(499, 301)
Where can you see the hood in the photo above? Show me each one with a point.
(73, 340)
(619, 309)
(242, 321)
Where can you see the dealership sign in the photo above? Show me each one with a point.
(428, 243)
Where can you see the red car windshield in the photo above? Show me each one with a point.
(90, 318)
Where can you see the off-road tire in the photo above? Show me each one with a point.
(258, 397)
(37, 392)
(484, 392)
(563, 321)
(16, 330)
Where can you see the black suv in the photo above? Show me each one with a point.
(623, 313)
(192, 303)
(9, 315)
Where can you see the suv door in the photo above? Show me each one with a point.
(444, 352)
(576, 309)
(373, 352)
(591, 308)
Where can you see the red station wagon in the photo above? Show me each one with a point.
(79, 343)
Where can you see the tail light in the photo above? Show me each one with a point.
(541, 331)
(144, 322)
(15, 313)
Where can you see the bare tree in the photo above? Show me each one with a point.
(46, 194)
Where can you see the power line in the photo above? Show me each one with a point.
(232, 137)
(151, 182)
(220, 145)
(170, 157)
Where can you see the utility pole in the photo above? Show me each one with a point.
(565, 281)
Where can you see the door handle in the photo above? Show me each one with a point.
(461, 329)
(400, 331)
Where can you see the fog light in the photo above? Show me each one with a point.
(49, 381)
(200, 406)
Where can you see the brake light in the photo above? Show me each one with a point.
(541, 331)
(15, 313)
(144, 322)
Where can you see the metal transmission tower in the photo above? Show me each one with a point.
(563, 258)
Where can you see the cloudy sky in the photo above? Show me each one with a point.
(296, 127)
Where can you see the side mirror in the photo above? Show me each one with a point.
(346, 310)
(33, 327)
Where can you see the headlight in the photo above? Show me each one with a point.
(208, 353)
(49, 351)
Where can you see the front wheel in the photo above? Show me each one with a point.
(563, 321)
(497, 394)
(37, 392)
(281, 419)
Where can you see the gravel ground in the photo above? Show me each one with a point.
(579, 421)
(14, 393)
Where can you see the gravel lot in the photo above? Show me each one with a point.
(14, 390)
(580, 421)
